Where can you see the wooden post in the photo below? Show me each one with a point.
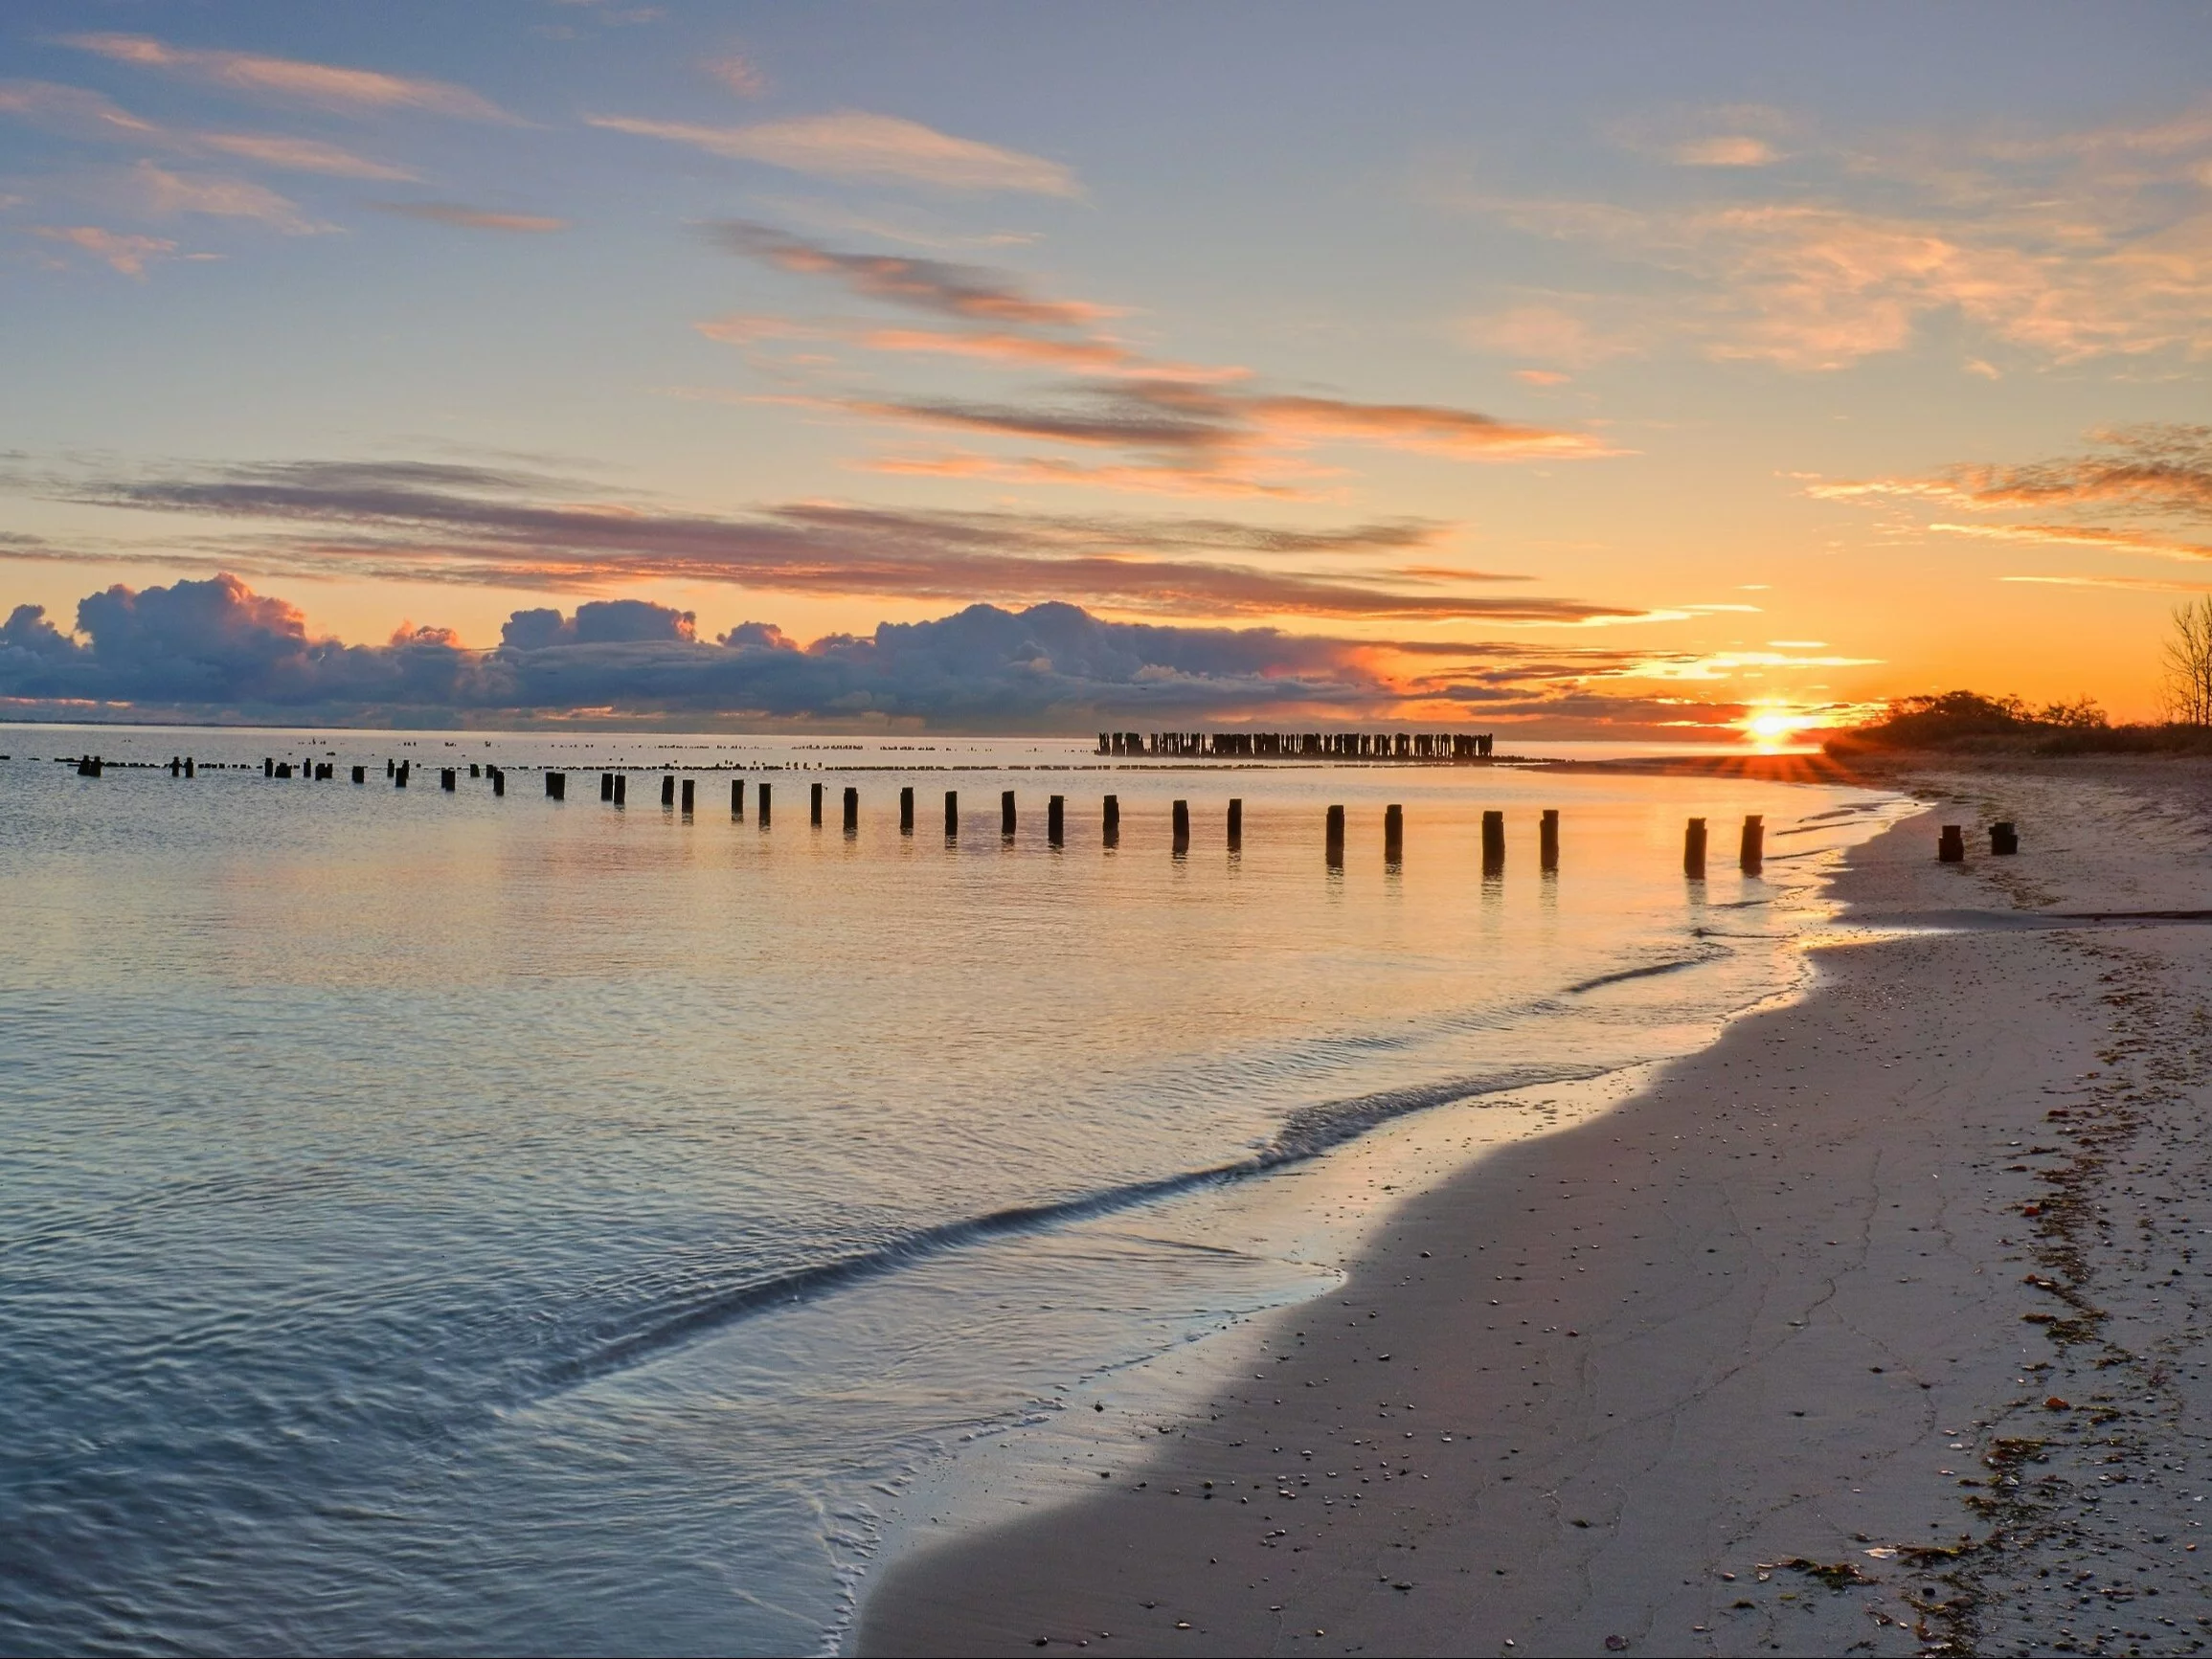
(688, 782)
(1754, 855)
(815, 809)
(1237, 825)
(445, 779)
(1007, 811)
(176, 766)
(499, 782)
(1493, 844)
(474, 770)
(606, 785)
(764, 804)
(388, 768)
(2003, 840)
(1335, 837)
(191, 769)
(667, 789)
(737, 798)
(622, 789)
(952, 815)
(1057, 821)
(1548, 842)
(399, 777)
(905, 810)
(1181, 827)
(1113, 820)
(360, 774)
(557, 785)
(1951, 846)
(1393, 835)
(851, 810)
(269, 766)
(1694, 850)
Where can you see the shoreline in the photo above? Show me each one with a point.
(1764, 1367)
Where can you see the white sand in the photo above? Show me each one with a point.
(1597, 1392)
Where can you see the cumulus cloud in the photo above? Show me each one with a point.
(216, 649)
(854, 145)
(466, 218)
(327, 87)
(428, 522)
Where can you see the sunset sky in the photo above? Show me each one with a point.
(1612, 369)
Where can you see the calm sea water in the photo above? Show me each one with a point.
(437, 1222)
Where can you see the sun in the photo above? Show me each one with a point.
(1770, 725)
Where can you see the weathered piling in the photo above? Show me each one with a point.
(269, 766)
(1751, 856)
(360, 774)
(1951, 844)
(557, 785)
(815, 810)
(176, 766)
(499, 782)
(1007, 811)
(905, 810)
(389, 768)
(445, 778)
(952, 815)
(1237, 825)
(1694, 850)
(2004, 839)
(1548, 842)
(1057, 821)
(1111, 817)
(667, 789)
(191, 768)
(737, 798)
(606, 785)
(1493, 844)
(87, 766)
(1335, 842)
(1181, 827)
(851, 810)
(399, 777)
(764, 800)
(1393, 835)
(475, 771)
(687, 790)
(622, 789)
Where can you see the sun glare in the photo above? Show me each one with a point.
(1770, 725)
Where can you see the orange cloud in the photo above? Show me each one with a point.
(126, 254)
(854, 143)
(303, 155)
(323, 85)
(467, 218)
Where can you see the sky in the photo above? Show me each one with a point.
(1609, 371)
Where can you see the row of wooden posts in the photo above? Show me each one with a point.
(614, 787)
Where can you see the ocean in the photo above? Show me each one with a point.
(437, 1221)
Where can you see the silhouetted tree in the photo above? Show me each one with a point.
(2188, 684)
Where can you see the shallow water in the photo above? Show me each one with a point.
(436, 1222)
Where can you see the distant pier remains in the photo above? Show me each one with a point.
(1299, 744)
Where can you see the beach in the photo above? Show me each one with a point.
(1875, 1327)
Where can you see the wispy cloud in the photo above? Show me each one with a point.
(467, 218)
(1179, 426)
(327, 87)
(424, 522)
(163, 194)
(854, 145)
(120, 252)
(2068, 248)
(301, 155)
(89, 117)
(738, 73)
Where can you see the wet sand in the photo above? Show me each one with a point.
(1878, 1325)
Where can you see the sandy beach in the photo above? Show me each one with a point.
(1876, 1327)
